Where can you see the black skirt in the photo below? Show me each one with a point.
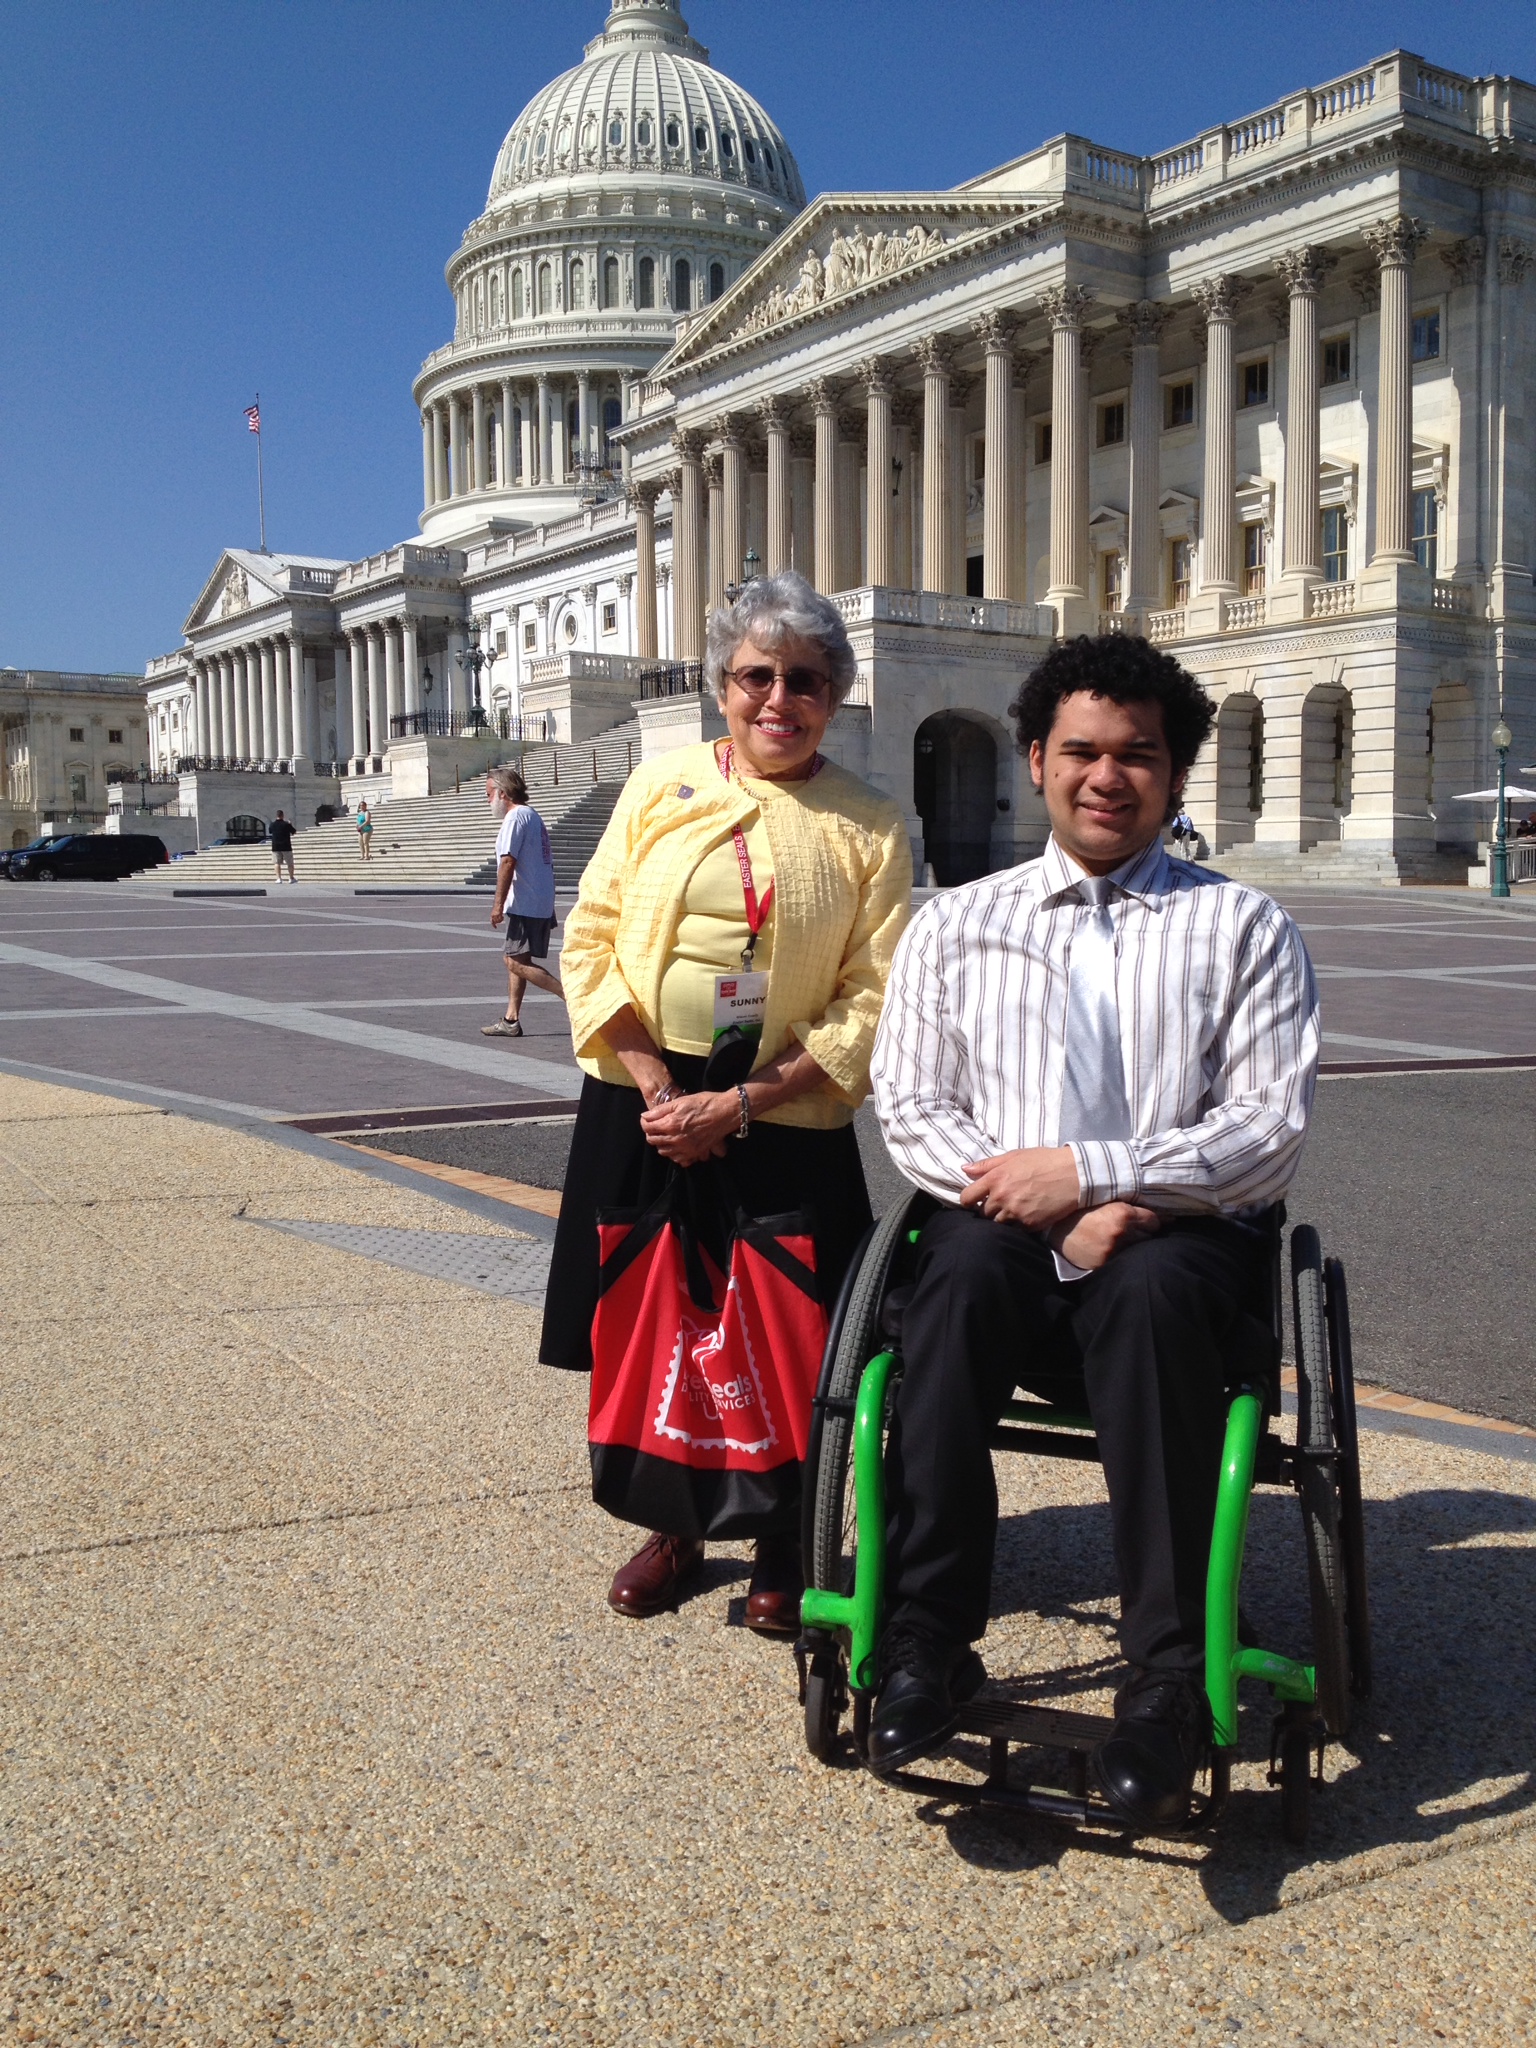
(776, 1168)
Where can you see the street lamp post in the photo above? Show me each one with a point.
(1498, 858)
(472, 660)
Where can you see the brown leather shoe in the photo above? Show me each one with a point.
(649, 1583)
(773, 1595)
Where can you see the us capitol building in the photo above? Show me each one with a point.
(1267, 397)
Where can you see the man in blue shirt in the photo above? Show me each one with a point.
(525, 895)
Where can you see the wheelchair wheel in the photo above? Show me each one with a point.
(1357, 1608)
(826, 1701)
(1317, 1480)
(1295, 1773)
(853, 1340)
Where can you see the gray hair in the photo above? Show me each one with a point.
(771, 610)
(510, 784)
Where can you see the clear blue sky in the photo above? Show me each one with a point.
(203, 201)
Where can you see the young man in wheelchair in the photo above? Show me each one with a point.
(1102, 1064)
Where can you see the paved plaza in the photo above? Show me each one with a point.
(317, 1727)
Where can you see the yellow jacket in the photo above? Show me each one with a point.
(842, 893)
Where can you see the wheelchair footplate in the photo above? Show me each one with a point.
(1057, 1742)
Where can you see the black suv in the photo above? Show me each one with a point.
(86, 857)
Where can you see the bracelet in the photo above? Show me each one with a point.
(670, 1093)
(746, 1111)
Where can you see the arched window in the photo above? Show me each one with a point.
(517, 295)
(767, 158)
(578, 285)
(645, 292)
(674, 135)
(495, 300)
(546, 288)
(541, 147)
(563, 139)
(701, 137)
(522, 153)
(727, 142)
(610, 280)
(716, 280)
(616, 130)
(749, 149)
(589, 135)
(613, 414)
(644, 133)
(682, 285)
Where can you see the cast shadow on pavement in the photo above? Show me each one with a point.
(1446, 1739)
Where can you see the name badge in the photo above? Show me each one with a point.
(742, 1000)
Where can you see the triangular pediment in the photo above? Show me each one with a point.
(842, 247)
(237, 585)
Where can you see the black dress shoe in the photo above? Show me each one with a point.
(1162, 1737)
(925, 1682)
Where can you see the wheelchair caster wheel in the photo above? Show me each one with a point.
(826, 1701)
(1296, 1756)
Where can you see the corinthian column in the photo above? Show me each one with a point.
(227, 746)
(410, 667)
(1395, 244)
(440, 476)
(733, 501)
(997, 508)
(280, 733)
(301, 701)
(456, 447)
(428, 471)
(936, 357)
(506, 467)
(392, 704)
(1064, 307)
(266, 750)
(482, 475)
(776, 427)
(546, 430)
(878, 473)
(643, 498)
(1146, 322)
(1302, 270)
(823, 399)
(1217, 299)
(378, 716)
(688, 550)
(714, 561)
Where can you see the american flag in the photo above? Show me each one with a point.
(253, 418)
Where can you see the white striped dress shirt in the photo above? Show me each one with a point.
(1219, 1033)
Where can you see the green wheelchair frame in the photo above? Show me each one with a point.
(845, 1542)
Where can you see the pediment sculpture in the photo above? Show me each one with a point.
(851, 260)
(236, 595)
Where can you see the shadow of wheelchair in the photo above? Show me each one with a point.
(1446, 1741)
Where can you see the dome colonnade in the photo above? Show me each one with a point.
(630, 193)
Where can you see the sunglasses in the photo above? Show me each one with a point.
(800, 682)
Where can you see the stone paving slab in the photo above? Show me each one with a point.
(387, 1771)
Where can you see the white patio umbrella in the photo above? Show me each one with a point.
(1513, 793)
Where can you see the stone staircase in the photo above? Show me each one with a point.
(1346, 867)
(443, 840)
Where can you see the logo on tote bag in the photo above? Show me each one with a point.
(713, 1397)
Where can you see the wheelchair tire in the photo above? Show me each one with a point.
(853, 1340)
(1317, 1480)
(1357, 1606)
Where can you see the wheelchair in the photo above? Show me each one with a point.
(844, 1537)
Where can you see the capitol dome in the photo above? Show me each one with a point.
(645, 98)
(632, 191)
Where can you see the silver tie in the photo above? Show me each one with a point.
(1093, 1100)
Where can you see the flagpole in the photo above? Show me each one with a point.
(261, 484)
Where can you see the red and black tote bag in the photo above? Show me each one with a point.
(705, 1348)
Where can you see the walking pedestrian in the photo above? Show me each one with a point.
(364, 830)
(525, 895)
(281, 836)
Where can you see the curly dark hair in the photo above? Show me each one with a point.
(1126, 669)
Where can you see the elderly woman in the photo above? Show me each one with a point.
(754, 834)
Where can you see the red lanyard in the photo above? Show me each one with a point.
(757, 912)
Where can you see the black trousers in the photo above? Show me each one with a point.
(1154, 1339)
